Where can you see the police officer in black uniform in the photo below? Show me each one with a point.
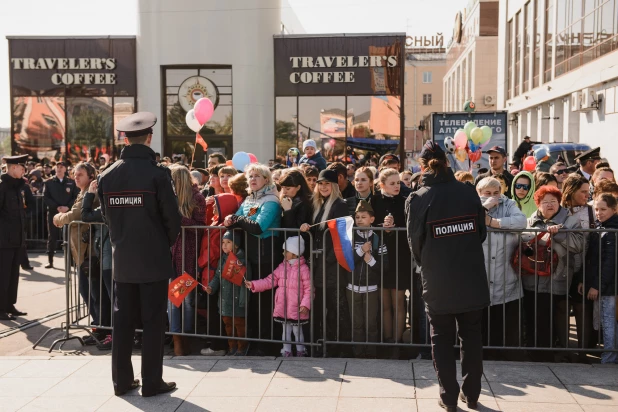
(139, 205)
(59, 195)
(446, 229)
(12, 234)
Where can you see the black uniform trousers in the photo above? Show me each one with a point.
(468, 326)
(54, 234)
(133, 301)
(9, 277)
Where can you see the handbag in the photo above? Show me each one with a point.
(534, 258)
(234, 270)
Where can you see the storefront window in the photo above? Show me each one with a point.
(38, 126)
(183, 87)
(286, 131)
(89, 130)
(123, 107)
(323, 120)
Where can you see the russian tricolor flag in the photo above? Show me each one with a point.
(341, 233)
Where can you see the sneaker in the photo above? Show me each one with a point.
(301, 354)
(232, 352)
(106, 344)
(287, 354)
(210, 352)
(242, 352)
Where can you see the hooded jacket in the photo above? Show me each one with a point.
(446, 229)
(233, 299)
(526, 204)
(607, 261)
(210, 249)
(498, 248)
(259, 212)
(316, 160)
(292, 292)
(564, 243)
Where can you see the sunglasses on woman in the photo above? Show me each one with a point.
(559, 172)
(520, 186)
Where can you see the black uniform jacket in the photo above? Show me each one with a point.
(59, 193)
(12, 212)
(140, 208)
(446, 229)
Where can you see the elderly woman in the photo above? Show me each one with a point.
(85, 173)
(545, 297)
(504, 285)
(259, 212)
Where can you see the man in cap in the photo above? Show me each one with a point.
(544, 161)
(497, 160)
(587, 162)
(522, 150)
(140, 208)
(12, 234)
(59, 194)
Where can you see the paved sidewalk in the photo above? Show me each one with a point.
(69, 383)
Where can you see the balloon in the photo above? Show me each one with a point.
(468, 128)
(473, 147)
(203, 110)
(476, 135)
(487, 132)
(460, 154)
(241, 160)
(449, 144)
(252, 157)
(475, 156)
(461, 140)
(529, 164)
(192, 121)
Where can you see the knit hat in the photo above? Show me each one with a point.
(309, 143)
(291, 245)
(235, 236)
(364, 206)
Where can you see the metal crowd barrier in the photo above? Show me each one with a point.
(36, 224)
(521, 320)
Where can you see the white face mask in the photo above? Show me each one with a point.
(486, 198)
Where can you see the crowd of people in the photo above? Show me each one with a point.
(248, 212)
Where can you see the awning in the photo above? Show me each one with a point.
(376, 145)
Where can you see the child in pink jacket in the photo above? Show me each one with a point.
(292, 279)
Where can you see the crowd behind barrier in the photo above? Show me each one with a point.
(531, 315)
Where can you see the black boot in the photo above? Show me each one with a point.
(50, 257)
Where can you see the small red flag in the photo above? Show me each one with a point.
(179, 288)
(200, 140)
(234, 270)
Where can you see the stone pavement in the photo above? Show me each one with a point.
(72, 383)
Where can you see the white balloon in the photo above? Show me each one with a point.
(192, 121)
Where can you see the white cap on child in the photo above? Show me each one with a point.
(292, 243)
(310, 143)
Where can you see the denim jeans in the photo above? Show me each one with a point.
(100, 300)
(188, 307)
(610, 328)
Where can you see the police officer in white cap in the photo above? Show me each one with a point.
(140, 207)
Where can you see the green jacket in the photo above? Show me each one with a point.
(526, 204)
(232, 299)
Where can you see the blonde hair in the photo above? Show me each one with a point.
(487, 183)
(385, 174)
(463, 176)
(184, 189)
(318, 201)
(261, 169)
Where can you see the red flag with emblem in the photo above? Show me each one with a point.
(200, 140)
(180, 288)
(234, 270)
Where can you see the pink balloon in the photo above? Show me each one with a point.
(461, 140)
(252, 157)
(203, 110)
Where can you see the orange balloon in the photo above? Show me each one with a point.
(229, 163)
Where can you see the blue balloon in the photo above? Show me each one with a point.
(241, 160)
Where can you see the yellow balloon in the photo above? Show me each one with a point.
(476, 135)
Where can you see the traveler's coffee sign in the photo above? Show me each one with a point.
(75, 69)
(339, 65)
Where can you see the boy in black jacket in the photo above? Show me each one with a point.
(363, 295)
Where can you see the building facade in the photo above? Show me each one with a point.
(472, 58)
(558, 71)
(425, 69)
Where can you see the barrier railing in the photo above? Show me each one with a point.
(375, 310)
(36, 223)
